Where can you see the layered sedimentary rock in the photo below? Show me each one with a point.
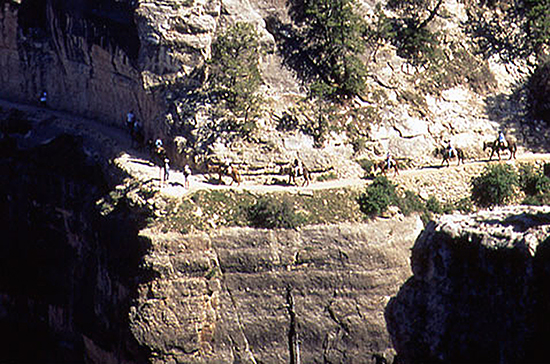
(250, 296)
(479, 292)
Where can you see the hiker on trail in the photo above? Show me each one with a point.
(166, 168)
(186, 174)
(389, 160)
(44, 99)
(130, 120)
(298, 167)
(137, 128)
(158, 143)
(229, 169)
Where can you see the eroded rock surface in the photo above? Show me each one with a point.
(479, 291)
(224, 298)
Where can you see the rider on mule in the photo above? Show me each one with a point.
(451, 151)
(389, 160)
(502, 140)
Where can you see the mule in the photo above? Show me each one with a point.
(226, 170)
(294, 171)
(497, 147)
(455, 153)
(157, 153)
(384, 167)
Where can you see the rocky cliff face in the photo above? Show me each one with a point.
(250, 296)
(67, 272)
(83, 54)
(104, 58)
(479, 291)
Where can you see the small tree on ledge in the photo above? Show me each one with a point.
(234, 78)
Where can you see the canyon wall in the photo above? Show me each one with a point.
(85, 57)
(250, 295)
(479, 292)
(67, 272)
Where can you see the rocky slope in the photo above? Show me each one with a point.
(479, 290)
(149, 56)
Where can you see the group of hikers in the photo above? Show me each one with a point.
(296, 168)
(136, 132)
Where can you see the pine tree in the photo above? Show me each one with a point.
(234, 73)
(335, 35)
(537, 26)
(409, 31)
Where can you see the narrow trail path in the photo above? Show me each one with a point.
(445, 183)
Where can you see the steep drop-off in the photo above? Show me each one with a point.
(250, 295)
(67, 273)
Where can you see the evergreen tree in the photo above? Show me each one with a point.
(335, 42)
(234, 74)
(537, 25)
(408, 31)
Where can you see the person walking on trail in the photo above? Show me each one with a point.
(158, 143)
(186, 174)
(44, 99)
(166, 169)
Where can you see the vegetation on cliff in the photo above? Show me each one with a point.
(235, 78)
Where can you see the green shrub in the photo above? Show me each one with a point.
(327, 177)
(368, 167)
(495, 186)
(410, 202)
(533, 182)
(377, 197)
(433, 205)
(532, 200)
(270, 213)
(359, 144)
(463, 205)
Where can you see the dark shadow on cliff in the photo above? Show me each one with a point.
(467, 303)
(67, 272)
(524, 221)
(512, 113)
(106, 23)
(291, 47)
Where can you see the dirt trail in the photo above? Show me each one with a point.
(445, 183)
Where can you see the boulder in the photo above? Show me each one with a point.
(479, 291)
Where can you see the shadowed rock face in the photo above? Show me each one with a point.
(84, 54)
(67, 273)
(479, 291)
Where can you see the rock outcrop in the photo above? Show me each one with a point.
(241, 295)
(479, 291)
